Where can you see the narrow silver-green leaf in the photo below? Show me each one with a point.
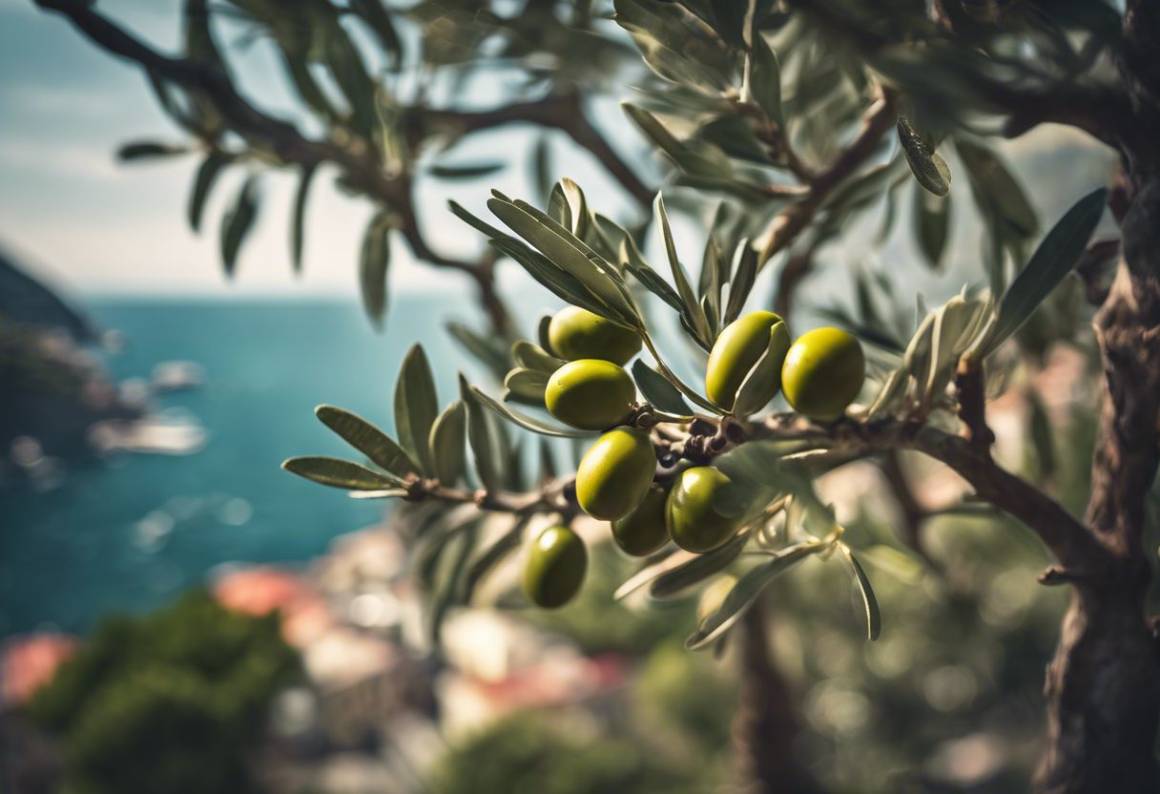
(298, 223)
(486, 562)
(489, 351)
(1052, 261)
(207, 173)
(535, 357)
(527, 422)
(705, 161)
(484, 446)
(995, 188)
(527, 384)
(692, 308)
(658, 391)
(568, 253)
(559, 282)
(237, 222)
(339, 473)
(374, 265)
(367, 439)
(149, 150)
(765, 79)
(667, 559)
(741, 282)
(676, 580)
(449, 443)
(932, 225)
(466, 170)
(745, 593)
(869, 600)
(416, 406)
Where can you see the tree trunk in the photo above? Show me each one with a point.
(765, 725)
(1103, 686)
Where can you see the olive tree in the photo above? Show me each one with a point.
(781, 123)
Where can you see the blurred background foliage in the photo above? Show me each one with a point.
(173, 701)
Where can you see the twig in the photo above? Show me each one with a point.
(791, 221)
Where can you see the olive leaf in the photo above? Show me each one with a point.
(534, 357)
(677, 44)
(486, 446)
(489, 351)
(932, 225)
(765, 79)
(448, 443)
(754, 392)
(452, 566)
(569, 254)
(997, 192)
(491, 557)
(1055, 257)
(416, 406)
(666, 559)
(525, 421)
(745, 593)
(673, 581)
(703, 160)
(465, 171)
(658, 391)
(298, 221)
(692, 312)
(741, 282)
(149, 150)
(367, 439)
(632, 261)
(237, 222)
(207, 173)
(374, 266)
(338, 473)
(958, 325)
(526, 384)
(869, 600)
(542, 333)
(928, 167)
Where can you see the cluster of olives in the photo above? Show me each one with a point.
(820, 374)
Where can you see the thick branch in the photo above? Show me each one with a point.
(1061, 532)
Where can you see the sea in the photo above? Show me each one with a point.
(130, 533)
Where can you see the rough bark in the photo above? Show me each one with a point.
(765, 725)
(1103, 686)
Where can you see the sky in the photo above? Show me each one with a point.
(86, 223)
(78, 218)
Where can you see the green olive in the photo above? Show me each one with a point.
(590, 394)
(693, 519)
(555, 567)
(615, 473)
(643, 531)
(576, 333)
(823, 373)
(735, 352)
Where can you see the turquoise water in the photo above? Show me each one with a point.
(130, 534)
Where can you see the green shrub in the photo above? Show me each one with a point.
(171, 702)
